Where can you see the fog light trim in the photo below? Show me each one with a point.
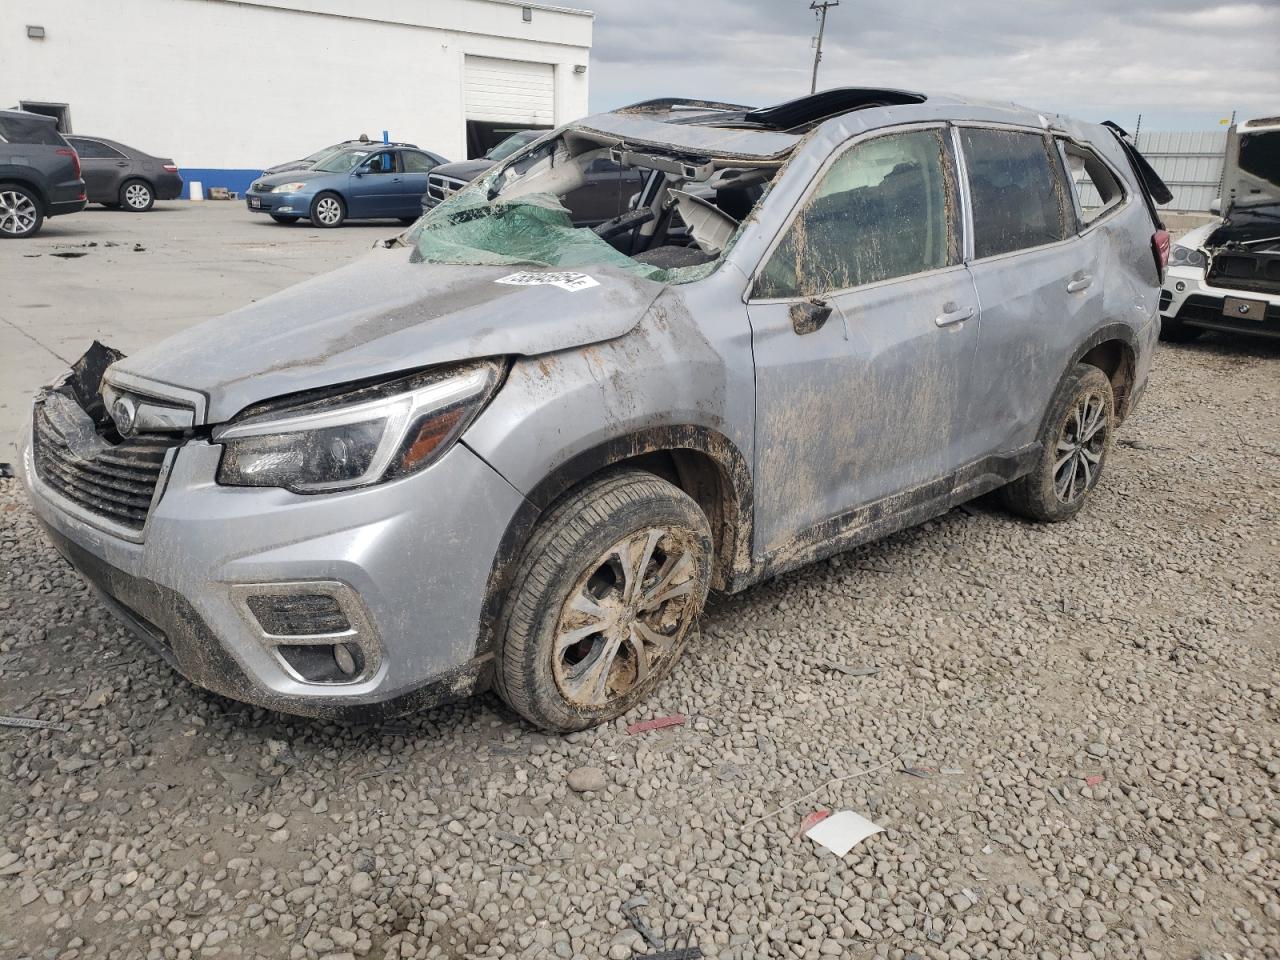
(363, 651)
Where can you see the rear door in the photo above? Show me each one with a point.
(102, 167)
(410, 183)
(1037, 282)
(864, 324)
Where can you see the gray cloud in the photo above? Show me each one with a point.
(1182, 64)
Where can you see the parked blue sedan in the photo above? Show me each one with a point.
(367, 182)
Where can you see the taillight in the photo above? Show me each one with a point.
(75, 158)
(1160, 245)
(170, 167)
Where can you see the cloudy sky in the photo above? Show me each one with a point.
(1182, 64)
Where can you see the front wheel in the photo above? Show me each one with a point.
(605, 594)
(137, 196)
(1073, 449)
(327, 210)
(20, 213)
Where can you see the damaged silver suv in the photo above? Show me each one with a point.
(507, 451)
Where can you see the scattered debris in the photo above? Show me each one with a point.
(512, 838)
(218, 193)
(138, 248)
(6, 471)
(841, 831)
(812, 820)
(657, 723)
(1053, 791)
(847, 670)
(952, 771)
(849, 776)
(630, 911)
(69, 254)
(924, 773)
(1094, 780)
(679, 953)
(34, 724)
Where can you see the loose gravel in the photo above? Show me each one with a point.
(1077, 726)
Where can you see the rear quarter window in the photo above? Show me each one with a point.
(1018, 192)
(21, 130)
(1097, 190)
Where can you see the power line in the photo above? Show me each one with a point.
(821, 9)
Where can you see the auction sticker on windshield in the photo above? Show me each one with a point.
(573, 282)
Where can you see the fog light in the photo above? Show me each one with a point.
(343, 658)
(1179, 286)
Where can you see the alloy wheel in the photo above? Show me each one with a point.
(625, 615)
(137, 196)
(1080, 447)
(329, 210)
(17, 212)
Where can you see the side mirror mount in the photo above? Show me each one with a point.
(1215, 206)
(808, 316)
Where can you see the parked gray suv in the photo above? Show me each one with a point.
(504, 451)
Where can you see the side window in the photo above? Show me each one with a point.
(1097, 190)
(884, 209)
(1019, 198)
(415, 162)
(94, 150)
(384, 162)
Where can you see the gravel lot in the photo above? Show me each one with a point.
(1017, 665)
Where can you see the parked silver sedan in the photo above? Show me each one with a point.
(506, 452)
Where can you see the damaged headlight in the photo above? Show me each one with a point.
(1185, 257)
(358, 437)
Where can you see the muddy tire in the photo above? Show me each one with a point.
(1074, 445)
(1175, 331)
(606, 592)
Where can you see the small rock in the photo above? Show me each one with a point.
(587, 778)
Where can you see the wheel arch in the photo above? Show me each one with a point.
(701, 461)
(8, 177)
(1113, 349)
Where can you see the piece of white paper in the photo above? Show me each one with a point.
(841, 831)
(564, 279)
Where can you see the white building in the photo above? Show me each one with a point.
(227, 87)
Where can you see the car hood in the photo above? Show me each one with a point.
(299, 175)
(464, 170)
(383, 315)
(286, 167)
(1251, 167)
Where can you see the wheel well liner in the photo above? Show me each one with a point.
(1112, 350)
(700, 461)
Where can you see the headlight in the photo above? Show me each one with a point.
(359, 437)
(288, 187)
(1185, 257)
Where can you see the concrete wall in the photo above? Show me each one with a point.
(226, 88)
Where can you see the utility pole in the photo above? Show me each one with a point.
(821, 9)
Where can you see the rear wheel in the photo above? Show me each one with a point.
(607, 589)
(137, 196)
(327, 210)
(1073, 449)
(283, 218)
(20, 212)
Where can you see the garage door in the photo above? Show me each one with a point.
(510, 91)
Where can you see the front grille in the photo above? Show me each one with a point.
(440, 187)
(114, 481)
(1200, 309)
(1256, 272)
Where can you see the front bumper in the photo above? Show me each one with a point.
(417, 552)
(1188, 297)
(281, 204)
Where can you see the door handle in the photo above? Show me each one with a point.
(1082, 282)
(122, 163)
(952, 314)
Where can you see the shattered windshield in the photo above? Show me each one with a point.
(513, 143)
(584, 204)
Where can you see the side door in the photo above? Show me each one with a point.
(1036, 280)
(411, 182)
(372, 186)
(102, 167)
(864, 324)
